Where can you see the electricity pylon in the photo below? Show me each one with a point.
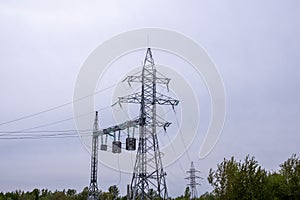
(93, 193)
(149, 179)
(193, 181)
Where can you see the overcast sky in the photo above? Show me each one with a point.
(254, 44)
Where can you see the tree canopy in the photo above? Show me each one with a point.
(234, 180)
(245, 180)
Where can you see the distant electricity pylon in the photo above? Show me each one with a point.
(192, 177)
(148, 180)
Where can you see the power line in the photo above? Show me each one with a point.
(60, 134)
(53, 123)
(41, 137)
(173, 149)
(56, 107)
(182, 138)
(46, 131)
(53, 134)
(120, 172)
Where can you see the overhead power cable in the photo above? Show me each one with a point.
(56, 107)
(181, 135)
(52, 123)
(46, 131)
(41, 137)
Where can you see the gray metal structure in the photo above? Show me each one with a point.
(149, 177)
(93, 193)
(193, 181)
(148, 180)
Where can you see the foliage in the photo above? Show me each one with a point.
(232, 180)
(247, 180)
(207, 196)
(237, 180)
(290, 170)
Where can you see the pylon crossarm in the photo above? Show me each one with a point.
(162, 99)
(193, 170)
(138, 79)
(193, 184)
(164, 81)
(119, 127)
(133, 98)
(133, 79)
(165, 125)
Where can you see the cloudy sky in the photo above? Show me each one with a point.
(254, 44)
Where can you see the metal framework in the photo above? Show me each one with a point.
(193, 181)
(149, 179)
(93, 193)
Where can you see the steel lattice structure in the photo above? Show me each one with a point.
(149, 177)
(193, 181)
(148, 181)
(93, 193)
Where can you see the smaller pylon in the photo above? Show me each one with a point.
(192, 177)
(93, 193)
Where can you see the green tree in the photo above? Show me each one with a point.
(83, 195)
(58, 195)
(275, 187)
(238, 180)
(187, 193)
(223, 179)
(36, 193)
(114, 191)
(207, 196)
(1, 196)
(290, 170)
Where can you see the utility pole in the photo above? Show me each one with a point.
(149, 178)
(93, 193)
(193, 182)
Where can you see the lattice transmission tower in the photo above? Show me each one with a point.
(149, 178)
(193, 181)
(93, 193)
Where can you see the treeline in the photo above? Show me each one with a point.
(231, 180)
(70, 194)
(248, 180)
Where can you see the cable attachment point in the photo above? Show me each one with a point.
(167, 124)
(167, 85)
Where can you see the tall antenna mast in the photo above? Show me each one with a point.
(193, 181)
(148, 180)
